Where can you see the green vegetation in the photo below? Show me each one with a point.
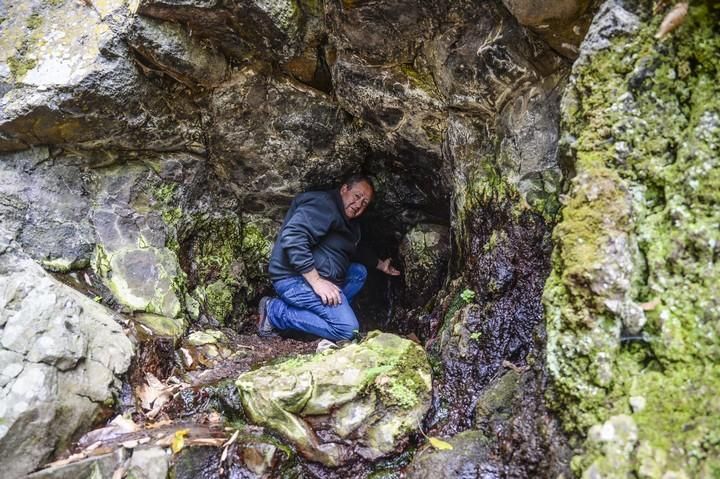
(19, 65)
(468, 296)
(33, 21)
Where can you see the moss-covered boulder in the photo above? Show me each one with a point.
(360, 400)
(633, 314)
(131, 256)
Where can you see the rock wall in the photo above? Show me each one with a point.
(632, 304)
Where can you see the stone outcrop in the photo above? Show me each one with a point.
(358, 401)
(62, 356)
(632, 307)
(67, 79)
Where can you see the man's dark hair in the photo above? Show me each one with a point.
(356, 178)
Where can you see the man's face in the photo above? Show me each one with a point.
(356, 198)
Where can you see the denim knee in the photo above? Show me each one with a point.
(347, 331)
(357, 272)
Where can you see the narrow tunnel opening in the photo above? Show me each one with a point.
(408, 222)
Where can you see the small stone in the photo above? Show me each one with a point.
(209, 336)
(637, 403)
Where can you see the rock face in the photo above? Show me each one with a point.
(632, 307)
(62, 355)
(425, 253)
(62, 85)
(358, 401)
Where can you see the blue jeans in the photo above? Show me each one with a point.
(300, 309)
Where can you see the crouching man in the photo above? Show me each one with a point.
(318, 265)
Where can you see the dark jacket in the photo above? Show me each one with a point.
(317, 234)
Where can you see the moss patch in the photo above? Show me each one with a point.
(229, 259)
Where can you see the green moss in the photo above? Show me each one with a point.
(404, 384)
(422, 80)
(164, 192)
(467, 295)
(19, 65)
(219, 300)
(33, 21)
(643, 121)
(172, 216)
(231, 256)
(64, 265)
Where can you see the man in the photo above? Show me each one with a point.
(317, 266)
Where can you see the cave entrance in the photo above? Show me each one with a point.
(409, 221)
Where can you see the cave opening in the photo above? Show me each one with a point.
(409, 222)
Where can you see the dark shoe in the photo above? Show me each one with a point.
(265, 329)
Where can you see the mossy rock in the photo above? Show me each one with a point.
(376, 391)
(632, 310)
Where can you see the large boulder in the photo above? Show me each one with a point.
(336, 406)
(62, 356)
(51, 204)
(137, 208)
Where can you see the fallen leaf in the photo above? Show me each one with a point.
(673, 19)
(178, 441)
(124, 424)
(150, 391)
(650, 305)
(439, 444)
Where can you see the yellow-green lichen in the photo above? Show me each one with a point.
(19, 65)
(33, 21)
(422, 80)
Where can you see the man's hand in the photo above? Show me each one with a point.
(385, 266)
(329, 292)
